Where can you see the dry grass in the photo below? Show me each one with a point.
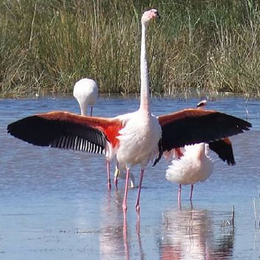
(46, 46)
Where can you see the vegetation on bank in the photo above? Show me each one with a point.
(46, 46)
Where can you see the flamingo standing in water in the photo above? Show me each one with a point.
(86, 93)
(193, 163)
(134, 138)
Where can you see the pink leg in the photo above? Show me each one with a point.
(108, 175)
(126, 189)
(137, 205)
(116, 182)
(179, 196)
(191, 191)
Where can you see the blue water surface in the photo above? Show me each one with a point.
(54, 204)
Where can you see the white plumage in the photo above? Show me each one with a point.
(141, 133)
(194, 166)
(86, 93)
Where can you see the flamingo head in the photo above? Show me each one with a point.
(149, 15)
(202, 104)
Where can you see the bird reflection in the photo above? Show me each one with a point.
(113, 235)
(189, 234)
(118, 240)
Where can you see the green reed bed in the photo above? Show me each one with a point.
(46, 46)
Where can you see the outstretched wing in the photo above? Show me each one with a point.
(66, 131)
(190, 126)
(223, 148)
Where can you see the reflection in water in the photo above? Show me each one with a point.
(189, 234)
(113, 235)
(39, 203)
(115, 240)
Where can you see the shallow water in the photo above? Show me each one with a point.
(55, 204)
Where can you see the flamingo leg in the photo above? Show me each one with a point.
(179, 196)
(108, 175)
(137, 205)
(126, 189)
(191, 191)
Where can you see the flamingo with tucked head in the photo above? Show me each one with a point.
(86, 92)
(134, 138)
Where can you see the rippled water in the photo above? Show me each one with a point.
(54, 204)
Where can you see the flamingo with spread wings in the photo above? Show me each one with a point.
(133, 138)
(193, 164)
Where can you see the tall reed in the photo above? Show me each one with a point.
(205, 44)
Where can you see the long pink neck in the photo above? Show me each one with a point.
(145, 95)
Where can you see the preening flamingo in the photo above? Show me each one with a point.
(193, 163)
(134, 138)
(86, 92)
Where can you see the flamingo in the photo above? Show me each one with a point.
(193, 163)
(222, 147)
(86, 92)
(133, 138)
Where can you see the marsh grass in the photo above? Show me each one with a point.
(46, 46)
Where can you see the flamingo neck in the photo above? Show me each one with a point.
(144, 95)
(83, 110)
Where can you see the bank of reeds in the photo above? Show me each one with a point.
(48, 45)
